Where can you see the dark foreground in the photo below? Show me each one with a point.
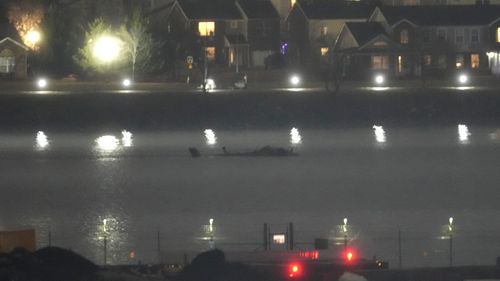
(248, 109)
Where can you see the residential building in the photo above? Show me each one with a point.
(13, 59)
(216, 26)
(263, 29)
(423, 40)
(314, 27)
(438, 2)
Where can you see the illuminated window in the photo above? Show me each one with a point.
(324, 51)
(206, 28)
(292, 2)
(400, 64)
(460, 61)
(210, 53)
(279, 239)
(7, 61)
(380, 62)
(498, 34)
(404, 37)
(324, 30)
(474, 61)
(427, 60)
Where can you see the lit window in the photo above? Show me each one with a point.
(206, 28)
(292, 2)
(498, 34)
(324, 30)
(380, 62)
(474, 61)
(7, 61)
(460, 61)
(324, 51)
(427, 60)
(279, 239)
(210, 53)
(404, 37)
(400, 64)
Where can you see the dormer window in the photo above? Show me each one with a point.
(404, 36)
(206, 28)
(292, 2)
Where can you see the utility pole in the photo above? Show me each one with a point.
(400, 251)
(158, 246)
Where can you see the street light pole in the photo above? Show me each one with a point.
(450, 230)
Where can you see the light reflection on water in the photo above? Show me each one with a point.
(295, 137)
(379, 132)
(42, 141)
(463, 134)
(210, 137)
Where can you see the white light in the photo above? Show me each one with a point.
(463, 79)
(126, 138)
(211, 226)
(345, 221)
(33, 37)
(211, 138)
(41, 140)
(295, 80)
(379, 79)
(295, 137)
(463, 133)
(42, 83)
(210, 84)
(126, 83)
(107, 143)
(107, 48)
(451, 220)
(379, 134)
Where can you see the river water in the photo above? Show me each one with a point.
(382, 179)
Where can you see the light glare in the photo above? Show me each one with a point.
(295, 80)
(107, 143)
(107, 48)
(42, 83)
(126, 83)
(463, 79)
(379, 79)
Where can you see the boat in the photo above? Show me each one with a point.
(265, 151)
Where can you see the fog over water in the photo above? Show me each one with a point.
(381, 178)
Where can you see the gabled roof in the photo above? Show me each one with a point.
(210, 9)
(14, 42)
(324, 10)
(363, 32)
(259, 9)
(458, 15)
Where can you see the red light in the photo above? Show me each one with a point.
(349, 255)
(294, 270)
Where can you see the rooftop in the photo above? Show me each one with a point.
(210, 9)
(363, 32)
(443, 15)
(334, 10)
(259, 9)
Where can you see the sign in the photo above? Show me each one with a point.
(9, 240)
(279, 238)
(189, 60)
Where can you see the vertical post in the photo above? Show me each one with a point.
(105, 245)
(269, 238)
(266, 241)
(451, 249)
(158, 246)
(290, 229)
(345, 243)
(50, 237)
(400, 250)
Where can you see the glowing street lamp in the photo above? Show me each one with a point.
(107, 48)
(33, 37)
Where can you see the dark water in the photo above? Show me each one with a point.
(414, 182)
